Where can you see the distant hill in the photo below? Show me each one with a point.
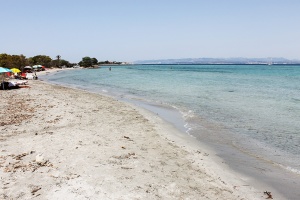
(220, 61)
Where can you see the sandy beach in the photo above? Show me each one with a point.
(63, 143)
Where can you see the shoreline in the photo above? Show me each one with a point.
(128, 153)
(259, 174)
(260, 171)
(174, 117)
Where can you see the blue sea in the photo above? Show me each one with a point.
(251, 109)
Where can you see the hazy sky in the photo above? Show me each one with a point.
(130, 30)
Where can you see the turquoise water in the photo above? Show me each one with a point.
(253, 108)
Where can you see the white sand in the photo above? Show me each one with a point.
(62, 143)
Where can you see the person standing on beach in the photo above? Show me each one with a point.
(35, 76)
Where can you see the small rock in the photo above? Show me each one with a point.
(39, 158)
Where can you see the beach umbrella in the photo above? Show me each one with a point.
(27, 67)
(4, 70)
(34, 67)
(15, 70)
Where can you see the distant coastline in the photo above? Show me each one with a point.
(217, 64)
(221, 61)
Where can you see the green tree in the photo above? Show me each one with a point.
(4, 60)
(58, 63)
(23, 61)
(65, 63)
(86, 62)
(40, 60)
(18, 61)
(94, 61)
(12, 61)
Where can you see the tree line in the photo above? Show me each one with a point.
(20, 61)
(90, 62)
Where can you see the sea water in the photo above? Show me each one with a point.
(252, 108)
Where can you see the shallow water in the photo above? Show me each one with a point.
(253, 108)
(255, 102)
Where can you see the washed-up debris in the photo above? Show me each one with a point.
(126, 168)
(16, 163)
(19, 166)
(128, 138)
(17, 113)
(268, 194)
(35, 189)
(19, 157)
